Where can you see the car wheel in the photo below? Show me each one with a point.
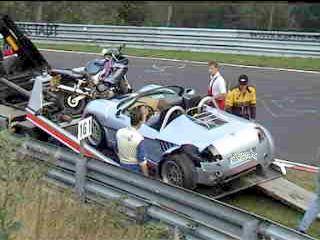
(178, 169)
(97, 138)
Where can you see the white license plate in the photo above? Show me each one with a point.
(239, 157)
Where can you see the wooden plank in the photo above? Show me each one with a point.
(288, 193)
(6, 111)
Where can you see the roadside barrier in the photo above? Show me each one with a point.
(272, 43)
(195, 215)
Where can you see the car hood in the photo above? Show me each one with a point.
(228, 138)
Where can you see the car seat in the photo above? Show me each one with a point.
(191, 102)
(156, 121)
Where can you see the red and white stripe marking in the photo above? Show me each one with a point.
(297, 166)
(65, 137)
(71, 143)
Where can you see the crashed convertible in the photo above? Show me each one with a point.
(187, 141)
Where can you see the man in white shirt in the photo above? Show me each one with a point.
(217, 85)
(130, 143)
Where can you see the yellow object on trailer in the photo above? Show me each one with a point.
(12, 43)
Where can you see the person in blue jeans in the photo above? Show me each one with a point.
(312, 211)
(130, 143)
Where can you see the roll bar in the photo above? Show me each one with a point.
(171, 110)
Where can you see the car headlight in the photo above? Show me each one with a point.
(261, 134)
(211, 154)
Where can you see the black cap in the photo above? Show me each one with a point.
(243, 79)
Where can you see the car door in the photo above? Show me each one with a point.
(117, 122)
(153, 150)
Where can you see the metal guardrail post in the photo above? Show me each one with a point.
(141, 214)
(81, 174)
(250, 230)
(178, 234)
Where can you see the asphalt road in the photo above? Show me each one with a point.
(288, 103)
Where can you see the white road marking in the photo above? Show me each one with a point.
(156, 68)
(194, 62)
(268, 109)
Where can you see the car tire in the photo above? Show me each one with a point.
(178, 169)
(98, 137)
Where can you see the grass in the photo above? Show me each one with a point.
(31, 208)
(255, 202)
(266, 61)
(55, 214)
(303, 179)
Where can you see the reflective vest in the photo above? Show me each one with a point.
(241, 103)
(128, 140)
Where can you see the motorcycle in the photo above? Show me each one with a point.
(99, 78)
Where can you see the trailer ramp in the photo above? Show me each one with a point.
(288, 193)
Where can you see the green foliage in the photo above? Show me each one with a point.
(131, 13)
(155, 231)
(13, 178)
(214, 14)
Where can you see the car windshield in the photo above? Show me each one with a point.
(156, 93)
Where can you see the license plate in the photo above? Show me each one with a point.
(208, 167)
(238, 157)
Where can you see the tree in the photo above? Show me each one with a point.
(131, 13)
(169, 16)
(213, 14)
(39, 12)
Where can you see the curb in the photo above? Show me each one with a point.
(297, 166)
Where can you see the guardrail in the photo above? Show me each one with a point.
(195, 215)
(191, 39)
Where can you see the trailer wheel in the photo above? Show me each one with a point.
(178, 169)
(98, 138)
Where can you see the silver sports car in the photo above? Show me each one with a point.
(187, 140)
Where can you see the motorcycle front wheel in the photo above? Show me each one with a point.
(72, 105)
